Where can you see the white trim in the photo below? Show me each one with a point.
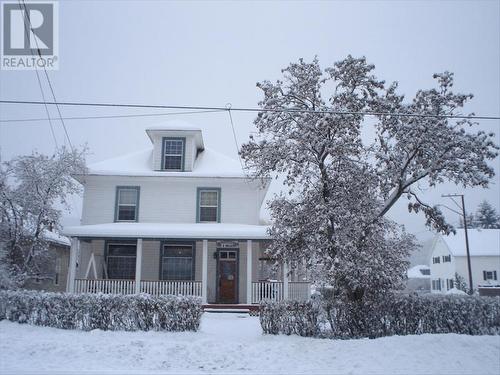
(249, 272)
(204, 272)
(285, 281)
(91, 263)
(75, 244)
(138, 266)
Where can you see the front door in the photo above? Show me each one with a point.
(227, 276)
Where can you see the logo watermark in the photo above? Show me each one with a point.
(30, 35)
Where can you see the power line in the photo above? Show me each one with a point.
(228, 106)
(40, 83)
(249, 109)
(47, 75)
(110, 116)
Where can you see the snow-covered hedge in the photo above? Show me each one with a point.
(102, 311)
(289, 317)
(398, 315)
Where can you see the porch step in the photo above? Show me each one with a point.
(244, 311)
(232, 308)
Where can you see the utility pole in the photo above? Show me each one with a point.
(466, 236)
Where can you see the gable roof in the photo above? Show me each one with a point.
(482, 242)
(209, 163)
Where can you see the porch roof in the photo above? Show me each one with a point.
(208, 231)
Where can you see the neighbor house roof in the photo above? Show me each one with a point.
(482, 242)
(170, 230)
(209, 163)
(416, 272)
(56, 238)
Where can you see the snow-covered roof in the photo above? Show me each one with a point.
(176, 127)
(219, 231)
(482, 242)
(209, 163)
(416, 272)
(56, 238)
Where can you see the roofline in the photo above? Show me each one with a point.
(77, 176)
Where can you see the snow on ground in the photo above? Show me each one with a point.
(233, 343)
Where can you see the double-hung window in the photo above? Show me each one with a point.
(208, 205)
(489, 275)
(177, 262)
(121, 260)
(173, 154)
(127, 203)
(446, 258)
(436, 260)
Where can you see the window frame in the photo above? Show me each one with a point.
(106, 255)
(447, 258)
(493, 275)
(163, 244)
(436, 260)
(183, 154)
(198, 203)
(117, 201)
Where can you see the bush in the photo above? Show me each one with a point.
(395, 315)
(289, 317)
(101, 311)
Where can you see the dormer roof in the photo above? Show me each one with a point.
(176, 129)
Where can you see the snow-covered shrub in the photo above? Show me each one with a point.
(102, 311)
(289, 317)
(414, 314)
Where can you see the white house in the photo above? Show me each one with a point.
(449, 257)
(178, 218)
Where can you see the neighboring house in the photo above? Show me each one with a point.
(59, 261)
(419, 279)
(449, 257)
(179, 218)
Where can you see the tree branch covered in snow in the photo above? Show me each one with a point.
(31, 189)
(339, 189)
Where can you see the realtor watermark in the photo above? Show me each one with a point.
(30, 35)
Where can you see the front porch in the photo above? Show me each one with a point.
(261, 290)
(227, 267)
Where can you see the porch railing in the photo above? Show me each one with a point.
(185, 288)
(105, 286)
(274, 291)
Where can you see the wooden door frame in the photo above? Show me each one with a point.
(217, 273)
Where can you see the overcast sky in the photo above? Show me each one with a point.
(213, 53)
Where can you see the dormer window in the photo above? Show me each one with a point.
(173, 154)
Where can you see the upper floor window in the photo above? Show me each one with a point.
(436, 260)
(446, 258)
(173, 154)
(208, 205)
(127, 203)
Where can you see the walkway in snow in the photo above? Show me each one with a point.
(233, 343)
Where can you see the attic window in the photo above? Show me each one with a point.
(173, 154)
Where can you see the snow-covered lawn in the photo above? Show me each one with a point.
(233, 343)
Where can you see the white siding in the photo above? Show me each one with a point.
(441, 271)
(478, 265)
(171, 199)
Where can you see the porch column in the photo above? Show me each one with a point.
(204, 272)
(285, 280)
(249, 272)
(73, 254)
(138, 266)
